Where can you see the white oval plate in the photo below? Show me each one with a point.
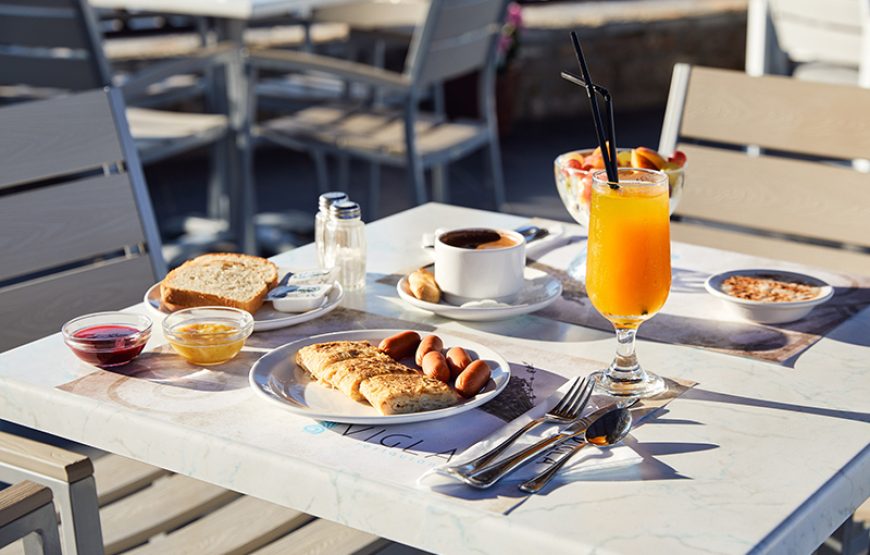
(769, 312)
(541, 290)
(265, 319)
(278, 379)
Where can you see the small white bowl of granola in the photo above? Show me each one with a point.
(769, 296)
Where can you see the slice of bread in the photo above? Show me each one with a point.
(216, 281)
(266, 269)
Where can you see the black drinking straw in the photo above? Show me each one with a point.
(608, 148)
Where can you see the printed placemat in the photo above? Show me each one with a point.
(693, 317)
(217, 400)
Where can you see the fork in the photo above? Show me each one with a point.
(566, 410)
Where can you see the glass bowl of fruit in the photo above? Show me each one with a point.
(574, 175)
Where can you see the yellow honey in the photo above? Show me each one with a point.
(206, 343)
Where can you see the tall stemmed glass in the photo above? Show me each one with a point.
(628, 268)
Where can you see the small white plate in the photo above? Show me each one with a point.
(541, 290)
(278, 379)
(265, 319)
(765, 312)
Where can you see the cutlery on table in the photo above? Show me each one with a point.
(608, 430)
(566, 410)
(491, 474)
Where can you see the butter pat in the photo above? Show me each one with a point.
(306, 297)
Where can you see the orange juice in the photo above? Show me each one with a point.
(628, 265)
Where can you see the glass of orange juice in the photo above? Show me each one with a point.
(628, 268)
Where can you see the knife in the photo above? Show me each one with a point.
(489, 475)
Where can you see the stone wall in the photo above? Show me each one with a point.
(631, 47)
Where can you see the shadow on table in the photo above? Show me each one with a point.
(704, 395)
(163, 366)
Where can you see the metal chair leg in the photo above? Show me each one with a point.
(494, 154)
(343, 172)
(440, 183)
(374, 208)
(321, 170)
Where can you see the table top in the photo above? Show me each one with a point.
(758, 456)
(233, 9)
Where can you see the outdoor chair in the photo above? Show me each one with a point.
(55, 46)
(27, 514)
(78, 235)
(816, 40)
(456, 37)
(800, 200)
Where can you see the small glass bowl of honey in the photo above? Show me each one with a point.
(208, 335)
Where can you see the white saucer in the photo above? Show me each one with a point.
(540, 291)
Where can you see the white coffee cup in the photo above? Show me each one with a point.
(468, 273)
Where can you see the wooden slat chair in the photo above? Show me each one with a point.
(809, 210)
(145, 510)
(77, 235)
(457, 37)
(55, 45)
(816, 40)
(27, 514)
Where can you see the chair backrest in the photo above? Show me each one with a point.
(792, 190)
(52, 44)
(831, 32)
(77, 231)
(819, 30)
(457, 37)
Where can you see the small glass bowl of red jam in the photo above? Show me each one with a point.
(107, 339)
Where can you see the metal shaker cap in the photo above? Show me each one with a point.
(327, 199)
(344, 210)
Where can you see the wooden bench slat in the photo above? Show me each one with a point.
(43, 458)
(111, 285)
(323, 536)
(778, 195)
(171, 502)
(36, 147)
(51, 226)
(20, 499)
(778, 113)
(236, 529)
(769, 247)
(118, 477)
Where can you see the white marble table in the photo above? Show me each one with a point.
(786, 457)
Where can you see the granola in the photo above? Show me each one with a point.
(767, 288)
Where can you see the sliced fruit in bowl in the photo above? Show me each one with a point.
(574, 170)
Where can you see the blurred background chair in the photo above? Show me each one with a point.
(27, 514)
(792, 202)
(815, 40)
(53, 46)
(455, 38)
(78, 235)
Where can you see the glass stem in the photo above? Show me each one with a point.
(625, 366)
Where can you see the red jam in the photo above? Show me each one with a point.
(108, 345)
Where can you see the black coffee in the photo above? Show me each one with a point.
(477, 238)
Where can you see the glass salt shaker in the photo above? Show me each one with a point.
(345, 241)
(324, 202)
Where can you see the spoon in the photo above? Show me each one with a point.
(532, 232)
(608, 430)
